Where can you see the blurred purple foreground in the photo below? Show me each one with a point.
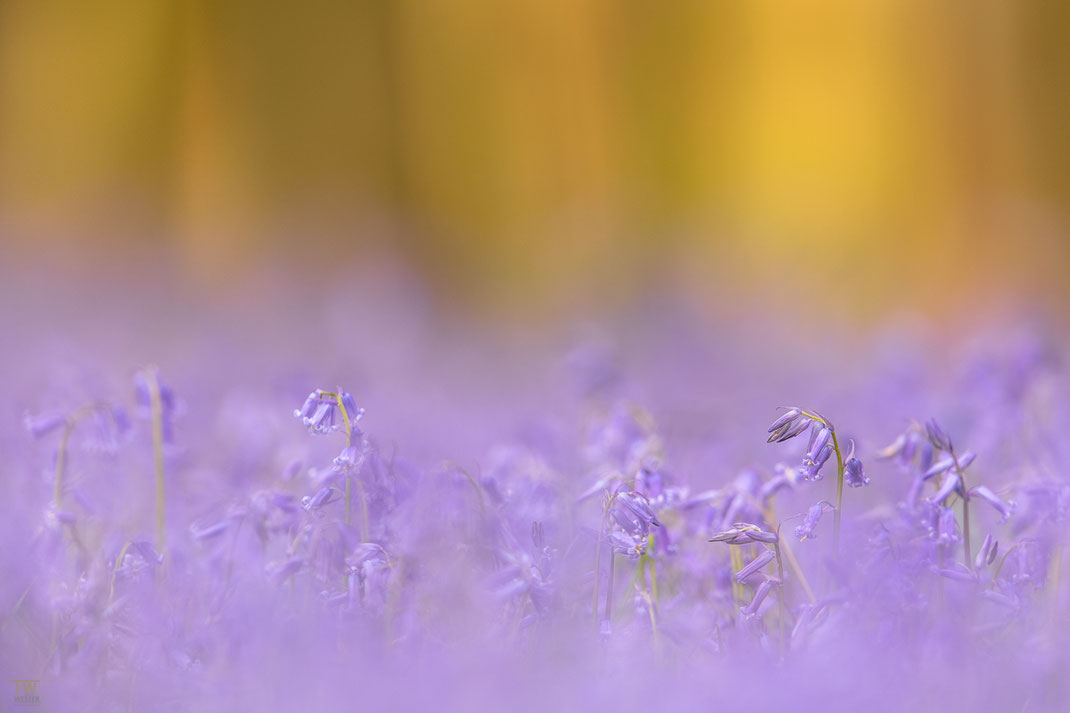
(522, 523)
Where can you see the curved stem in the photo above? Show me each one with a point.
(157, 453)
(965, 511)
(836, 516)
(653, 572)
(598, 554)
(349, 439)
(780, 599)
(737, 586)
(61, 462)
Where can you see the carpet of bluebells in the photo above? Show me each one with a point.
(344, 509)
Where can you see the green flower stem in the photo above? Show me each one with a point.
(61, 453)
(61, 462)
(737, 564)
(157, 452)
(598, 555)
(780, 599)
(965, 511)
(836, 516)
(653, 571)
(770, 516)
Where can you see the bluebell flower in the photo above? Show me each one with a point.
(168, 402)
(1003, 508)
(759, 596)
(789, 425)
(784, 477)
(937, 436)
(957, 572)
(636, 507)
(987, 554)
(755, 564)
(631, 544)
(947, 462)
(322, 497)
(43, 424)
(947, 527)
(805, 531)
(814, 462)
(952, 484)
(853, 472)
(322, 414)
(743, 533)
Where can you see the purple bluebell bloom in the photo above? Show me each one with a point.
(805, 531)
(755, 564)
(910, 449)
(1004, 508)
(638, 508)
(947, 463)
(958, 572)
(937, 436)
(744, 534)
(947, 526)
(811, 467)
(952, 483)
(43, 424)
(853, 472)
(818, 440)
(631, 544)
(169, 407)
(321, 413)
(790, 424)
(785, 477)
(322, 497)
(987, 554)
(755, 604)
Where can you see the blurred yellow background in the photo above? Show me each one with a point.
(546, 153)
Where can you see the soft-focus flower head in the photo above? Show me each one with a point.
(948, 462)
(753, 607)
(937, 436)
(153, 393)
(744, 533)
(785, 477)
(805, 531)
(1004, 508)
(987, 554)
(790, 424)
(632, 544)
(41, 425)
(853, 473)
(109, 423)
(325, 412)
(764, 557)
(910, 450)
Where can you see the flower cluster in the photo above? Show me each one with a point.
(657, 546)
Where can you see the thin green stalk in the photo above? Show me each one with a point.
(598, 555)
(965, 511)
(737, 564)
(349, 438)
(770, 516)
(61, 453)
(157, 452)
(61, 462)
(780, 599)
(653, 571)
(115, 570)
(1053, 577)
(608, 615)
(836, 516)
